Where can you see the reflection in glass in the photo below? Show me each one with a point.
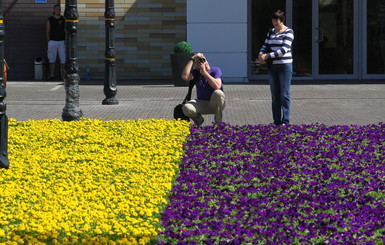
(302, 45)
(261, 11)
(335, 37)
(376, 37)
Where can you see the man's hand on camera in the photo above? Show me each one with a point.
(202, 68)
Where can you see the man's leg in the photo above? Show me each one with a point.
(195, 108)
(51, 70)
(51, 54)
(217, 105)
(62, 57)
(62, 71)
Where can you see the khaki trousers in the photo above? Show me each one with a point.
(194, 109)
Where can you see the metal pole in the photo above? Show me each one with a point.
(110, 68)
(71, 111)
(4, 162)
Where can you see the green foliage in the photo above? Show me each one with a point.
(183, 48)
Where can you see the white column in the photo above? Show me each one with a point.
(218, 28)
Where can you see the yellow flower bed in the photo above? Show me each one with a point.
(88, 181)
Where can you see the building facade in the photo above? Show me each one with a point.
(145, 34)
(334, 39)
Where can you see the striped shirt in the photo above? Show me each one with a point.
(280, 46)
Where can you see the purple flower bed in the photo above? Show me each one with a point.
(301, 184)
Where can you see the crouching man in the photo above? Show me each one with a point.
(209, 90)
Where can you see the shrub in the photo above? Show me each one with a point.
(183, 47)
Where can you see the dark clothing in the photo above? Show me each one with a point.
(57, 32)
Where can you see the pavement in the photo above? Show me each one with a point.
(326, 103)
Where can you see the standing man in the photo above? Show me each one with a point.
(55, 34)
(209, 90)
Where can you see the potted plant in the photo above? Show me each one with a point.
(182, 54)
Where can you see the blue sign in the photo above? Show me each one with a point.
(40, 1)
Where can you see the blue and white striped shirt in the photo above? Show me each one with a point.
(280, 45)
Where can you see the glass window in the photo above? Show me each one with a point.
(261, 11)
(302, 45)
(376, 37)
(336, 37)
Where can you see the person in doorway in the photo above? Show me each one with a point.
(277, 50)
(55, 34)
(209, 90)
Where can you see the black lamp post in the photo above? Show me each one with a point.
(4, 162)
(71, 111)
(110, 67)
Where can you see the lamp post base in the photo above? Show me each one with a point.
(67, 116)
(110, 101)
(4, 163)
(72, 111)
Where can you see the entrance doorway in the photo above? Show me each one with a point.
(334, 39)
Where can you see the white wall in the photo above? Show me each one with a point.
(218, 28)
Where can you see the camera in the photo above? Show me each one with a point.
(202, 60)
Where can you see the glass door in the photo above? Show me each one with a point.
(373, 44)
(334, 39)
(302, 24)
(325, 39)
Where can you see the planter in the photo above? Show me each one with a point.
(178, 63)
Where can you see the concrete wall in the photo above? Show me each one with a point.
(145, 34)
(218, 28)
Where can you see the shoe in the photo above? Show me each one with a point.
(199, 120)
(51, 78)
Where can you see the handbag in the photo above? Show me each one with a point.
(268, 49)
(269, 62)
(178, 112)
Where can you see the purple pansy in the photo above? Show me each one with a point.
(302, 184)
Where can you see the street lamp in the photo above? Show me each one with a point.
(110, 67)
(4, 162)
(71, 111)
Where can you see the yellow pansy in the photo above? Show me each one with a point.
(88, 181)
